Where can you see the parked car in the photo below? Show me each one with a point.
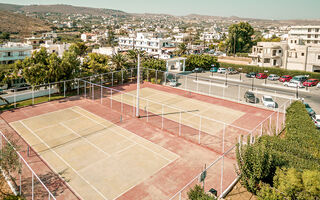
(273, 77)
(232, 71)
(214, 69)
(198, 70)
(268, 101)
(285, 78)
(311, 82)
(261, 76)
(309, 109)
(249, 97)
(222, 70)
(318, 86)
(251, 75)
(293, 83)
(301, 78)
(316, 120)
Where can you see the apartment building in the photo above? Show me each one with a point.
(59, 49)
(11, 52)
(147, 42)
(181, 37)
(210, 36)
(291, 54)
(309, 34)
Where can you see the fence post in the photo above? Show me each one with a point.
(270, 124)
(156, 76)
(147, 110)
(92, 90)
(64, 88)
(121, 76)
(121, 104)
(101, 90)
(200, 130)
(197, 85)
(180, 124)
(223, 134)
(20, 171)
(112, 79)
(162, 117)
(85, 89)
(210, 87)
(49, 91)
(32, 186)
(284, 115)
(223, 92)
(261, 129)
(111, 98)
(277, 127)
(101, 77)
(14, 98)
(186, 82)
(78, 89)
(222, 167)
(32, 95)
(239, 93)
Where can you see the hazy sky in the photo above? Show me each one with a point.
(267, 9)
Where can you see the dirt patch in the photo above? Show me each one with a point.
(240, 193)
(4, 188)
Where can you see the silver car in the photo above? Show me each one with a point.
(273, 77)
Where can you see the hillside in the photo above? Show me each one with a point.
(68, 9)
(18, 23)
(10, 7)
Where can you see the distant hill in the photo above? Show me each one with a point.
(10, 7)
(19, 23)
(68, 9)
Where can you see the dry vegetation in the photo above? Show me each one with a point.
(18, 23)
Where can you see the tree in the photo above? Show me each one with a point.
(79, 48)
(111, 38)
(197, 193)
(119, 61)
(203, 61)
(96, 64)
(182, 49)
(133, 56)
(239, 38)
(153, 63)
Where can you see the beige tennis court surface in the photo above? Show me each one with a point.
(213, 115)
(100, 159)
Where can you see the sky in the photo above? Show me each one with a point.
(262, 9)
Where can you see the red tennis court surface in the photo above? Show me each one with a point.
(170, 179)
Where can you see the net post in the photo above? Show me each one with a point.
(20, 171)
(239, 93)
(49, 91)
(180, 124)
(199, 139)
(64, 89)
(147, 110)
(162, 117)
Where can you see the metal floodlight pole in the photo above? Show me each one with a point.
(138, 86)
(252, 83)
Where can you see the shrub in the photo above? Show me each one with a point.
(203, 61)
(197, 193)
(271, 70)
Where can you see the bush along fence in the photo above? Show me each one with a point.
(286, 167)
(271, 70)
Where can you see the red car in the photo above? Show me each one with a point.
(285, 78)
(311, 82)
(261, 76)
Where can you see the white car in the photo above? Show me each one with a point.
(293, 83)
(318, 86)
(173, 83)
(268, 101)
(273, 77)
(316, 120)
(222, 70)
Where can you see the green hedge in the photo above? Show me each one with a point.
(271, 70)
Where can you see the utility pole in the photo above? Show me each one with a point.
(138, 87)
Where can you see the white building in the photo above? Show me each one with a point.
(146, 42)
(210, 36)
(11, 52)
(309, 34)
(56, 48)
(291, 54)
(181, 37)
(108, 51)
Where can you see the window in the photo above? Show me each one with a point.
(309, 36)
(302, 54)
(315, 36)
(309, 29)
(21, 53)
(280, 51)
(267, 60)
(317, 30)
(308, 41)
(318, 57)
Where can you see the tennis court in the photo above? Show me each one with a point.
(213, 115)
(101, 159)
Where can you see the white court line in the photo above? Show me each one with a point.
(95, 146)
(39, 129)
(130, 138)
(64, 161)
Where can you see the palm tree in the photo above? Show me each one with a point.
(133, 56)
(182, 49)
(119, 61)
